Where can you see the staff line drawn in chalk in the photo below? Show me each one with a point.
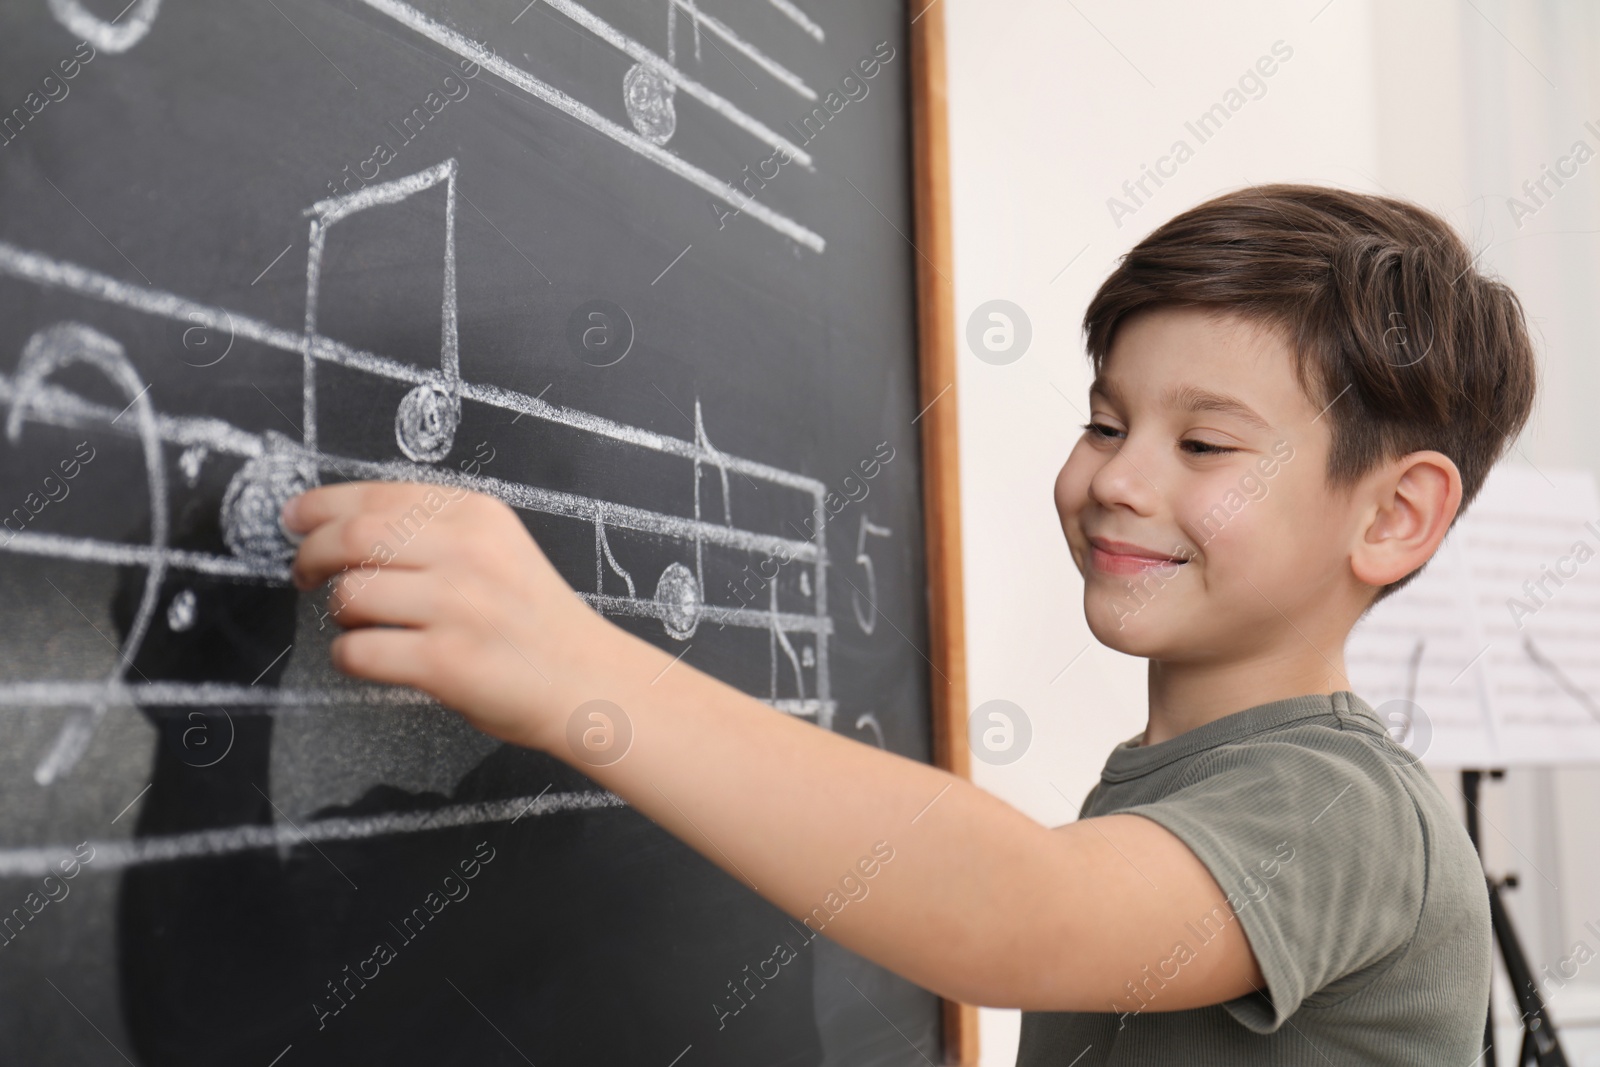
(668, 69)
(672, 50)
(478, 52)
(245, 700)
(277, 466)
(745, 48)
(800, 18)
(525, 497)
(532, 802)
(284, 816)
(57, 274)
(139, 851)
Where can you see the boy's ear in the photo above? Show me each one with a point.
(1414, 500)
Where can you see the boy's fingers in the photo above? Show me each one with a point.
(364, 542)
(326, 503)
(394, 657)
(310, 509)
(389, 598)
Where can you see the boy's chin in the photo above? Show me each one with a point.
(1140, 633)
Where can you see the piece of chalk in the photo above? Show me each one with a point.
(292, 537)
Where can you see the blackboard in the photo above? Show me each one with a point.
(643, 269)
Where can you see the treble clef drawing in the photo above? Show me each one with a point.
(274, 466)
(46, 352)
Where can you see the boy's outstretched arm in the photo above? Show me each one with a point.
(978, 903)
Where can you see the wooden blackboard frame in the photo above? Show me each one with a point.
(936, 352)
(936, 361)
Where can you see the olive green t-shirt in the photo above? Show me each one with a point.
(1351, 874)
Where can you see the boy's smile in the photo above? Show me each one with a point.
(1216, 539)
(1195, 504)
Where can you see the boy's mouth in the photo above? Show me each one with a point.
(1124, 557)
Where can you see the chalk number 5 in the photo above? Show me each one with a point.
(867, 617)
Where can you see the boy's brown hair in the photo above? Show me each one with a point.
(1392, 326)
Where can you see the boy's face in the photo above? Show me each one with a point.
(1171, 473)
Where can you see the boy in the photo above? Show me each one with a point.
(1297, 390)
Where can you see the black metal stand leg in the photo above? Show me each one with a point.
(1540, 1045)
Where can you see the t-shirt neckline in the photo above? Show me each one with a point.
(1131, 759)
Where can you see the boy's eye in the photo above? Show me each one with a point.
(1190, 445)
(1205, 448)
(1100, 430)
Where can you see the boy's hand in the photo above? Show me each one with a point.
(444, 590)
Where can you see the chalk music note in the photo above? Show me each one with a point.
(648, 88)
(643, 142)
(274, 467)
(647, 92)
(425, 425)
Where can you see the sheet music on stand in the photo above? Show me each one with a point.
(1496, 645)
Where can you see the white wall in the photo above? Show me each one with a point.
(1053, 107)
(1515, 83)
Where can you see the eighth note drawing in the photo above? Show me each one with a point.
(275, 467)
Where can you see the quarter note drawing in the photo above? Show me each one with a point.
(268, 467)
(649, 89)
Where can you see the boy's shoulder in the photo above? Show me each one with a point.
(1317, 772)
(1339, 855)
(1256, 792)
(1297, 741)
(1347, 868)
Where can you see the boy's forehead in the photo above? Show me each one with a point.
(1202, 359)
(1191, 398)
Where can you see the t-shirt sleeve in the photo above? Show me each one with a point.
(1320, 852)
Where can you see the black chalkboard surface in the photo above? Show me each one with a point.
(637, 267)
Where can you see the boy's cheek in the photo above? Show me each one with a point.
(1071, 487)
